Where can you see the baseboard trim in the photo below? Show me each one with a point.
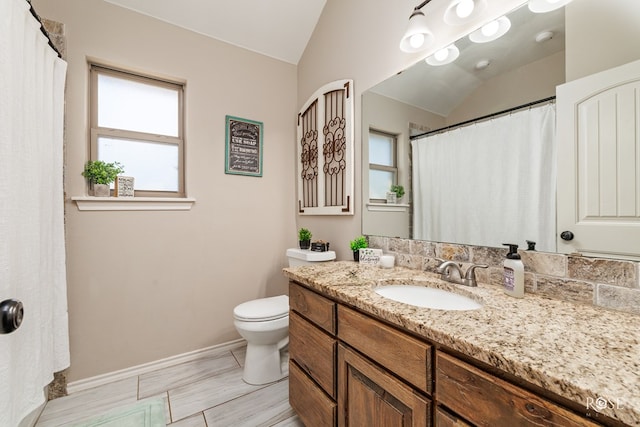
(98, 380)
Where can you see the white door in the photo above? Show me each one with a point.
(599, 164)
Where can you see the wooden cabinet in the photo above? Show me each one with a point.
(371, 396)
(313, 352)
(442, 418)
(486, 400)
(349, 369)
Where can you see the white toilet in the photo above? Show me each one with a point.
(264, 323)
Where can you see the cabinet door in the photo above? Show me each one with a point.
(370, 396)
(599, 163)
(314, 351)
(311, 404)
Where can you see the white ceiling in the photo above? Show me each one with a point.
(280, 29)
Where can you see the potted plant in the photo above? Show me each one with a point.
(357, 244)
(100, 174)
(304, 238)
(395, 193)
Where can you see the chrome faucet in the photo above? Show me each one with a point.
(452, 272)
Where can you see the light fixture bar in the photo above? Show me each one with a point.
(418, 36)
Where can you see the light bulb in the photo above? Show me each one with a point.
(464, 8)
(490, 29)
(442, 54)
(416, 40)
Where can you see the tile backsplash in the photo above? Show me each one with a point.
(608, 283)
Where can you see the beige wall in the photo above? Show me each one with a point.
(531, 82)
(143, 286)
(601, 35)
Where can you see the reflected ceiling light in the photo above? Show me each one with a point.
(491, 31)
(543, 6)
(460, 12)
(418, 36)
(444, 56)
(482, 64)
(544, 36)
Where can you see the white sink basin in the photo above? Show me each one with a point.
(421, 296)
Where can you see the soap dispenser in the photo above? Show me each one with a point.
(513, 272)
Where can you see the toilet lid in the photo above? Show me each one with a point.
(263, 309)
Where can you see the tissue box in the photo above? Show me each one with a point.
(319, 246)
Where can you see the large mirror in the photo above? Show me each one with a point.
(523, 66)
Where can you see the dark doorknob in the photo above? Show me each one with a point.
(566, 235)
(11, 314)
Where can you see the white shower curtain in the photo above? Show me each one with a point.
(32, 250)
(488, 183)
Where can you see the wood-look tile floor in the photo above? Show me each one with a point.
(201, 393)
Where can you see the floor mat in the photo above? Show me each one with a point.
(146, 413)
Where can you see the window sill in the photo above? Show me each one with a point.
(88, 203)
(387, 207)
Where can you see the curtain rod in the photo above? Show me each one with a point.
(44, 31)
(488, 116)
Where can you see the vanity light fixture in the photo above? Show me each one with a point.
(491, 31)
(418, 35)
(460, 12)
(444, 56)
(543, 6)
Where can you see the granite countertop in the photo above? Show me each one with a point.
(583, 353)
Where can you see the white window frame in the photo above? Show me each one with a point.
(96, 69)
(375, 166)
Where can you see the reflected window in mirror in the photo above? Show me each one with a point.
(383, 166)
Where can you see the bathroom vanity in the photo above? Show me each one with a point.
(358, 358)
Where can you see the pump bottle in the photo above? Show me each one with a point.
(513, 272)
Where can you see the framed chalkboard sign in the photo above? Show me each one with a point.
(243, 152)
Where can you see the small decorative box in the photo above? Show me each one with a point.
(320, 246)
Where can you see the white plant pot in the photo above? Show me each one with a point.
(101, 190)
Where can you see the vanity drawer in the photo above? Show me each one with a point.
(314, 351)
(396, 351)
(486, 400)
(312, 406)
(316, 308)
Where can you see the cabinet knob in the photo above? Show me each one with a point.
(566, 235)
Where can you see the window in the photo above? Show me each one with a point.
(138, 121)
(383, 167)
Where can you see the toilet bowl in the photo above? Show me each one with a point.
(264, 324)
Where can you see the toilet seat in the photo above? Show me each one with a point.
(263, 309)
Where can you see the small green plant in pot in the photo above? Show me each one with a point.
(100, 174)
(304, 238)
(399, 190)
(357, 244)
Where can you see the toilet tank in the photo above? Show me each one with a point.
(298, 257)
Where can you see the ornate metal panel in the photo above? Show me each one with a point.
(309, 156)
(334, 148)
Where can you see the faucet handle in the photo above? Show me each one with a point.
(470, 275)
